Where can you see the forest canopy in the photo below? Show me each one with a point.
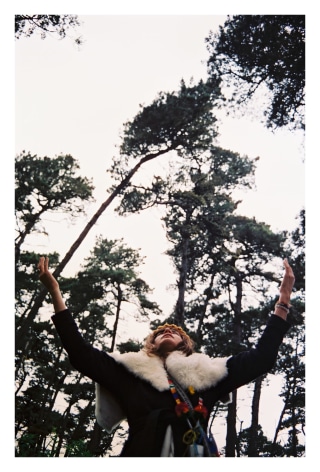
(227, 265)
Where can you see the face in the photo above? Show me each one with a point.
(167, 340)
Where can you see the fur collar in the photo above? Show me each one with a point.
(198, 370)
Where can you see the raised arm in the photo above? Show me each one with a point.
(88, 360)
(283, 304)
(248, 365)
(51, 284)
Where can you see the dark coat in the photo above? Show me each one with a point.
(148, 410)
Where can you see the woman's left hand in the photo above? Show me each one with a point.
(286, 284)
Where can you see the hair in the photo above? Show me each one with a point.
(186, 345)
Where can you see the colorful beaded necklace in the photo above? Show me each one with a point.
(194, 437)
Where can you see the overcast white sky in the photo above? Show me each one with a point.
(70, 100)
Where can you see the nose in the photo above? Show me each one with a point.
(168, 330)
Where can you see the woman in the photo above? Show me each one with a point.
(166, 391)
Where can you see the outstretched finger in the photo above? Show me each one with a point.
(288, 268)
(40, 263)
(286, 263)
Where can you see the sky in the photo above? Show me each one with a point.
(75, 100)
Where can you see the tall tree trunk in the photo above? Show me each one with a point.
(253, 433)
(95, 441)
(231, 439)
(115, 326)
(182, 282)
(62, 427)
(61, 430)
(274, 443)
(183, 270)
(294, 432)
(204, 308)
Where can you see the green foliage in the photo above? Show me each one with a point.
(78, 448)
(180, 119)
(292, 367)
(206, 235)
(219, 258)
(297, 241)
(254, 239)
(46, 185)
(26, 446)
(113, 268)
(52, 25)
(254, 50)
(262, 444)
(27, 277)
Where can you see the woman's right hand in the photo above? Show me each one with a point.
(45, 275)
(51, 284)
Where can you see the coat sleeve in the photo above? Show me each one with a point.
(90, 361)
(249, 365)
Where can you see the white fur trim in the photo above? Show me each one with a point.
(149, 368)
(198, 370)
